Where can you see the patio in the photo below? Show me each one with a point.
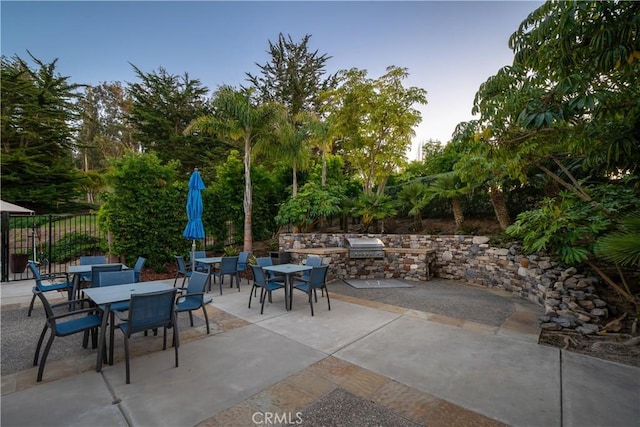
(433, 362)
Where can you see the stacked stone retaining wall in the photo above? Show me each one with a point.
(468, 259)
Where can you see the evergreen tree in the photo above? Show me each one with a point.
(37, 136)
(163, 106)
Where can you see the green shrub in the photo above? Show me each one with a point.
(73, 245)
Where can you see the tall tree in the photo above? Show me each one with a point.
(374, 119)
(294, 77)
(239, 121)
(570, 106)
(38, 109)
(104, 130)
(163, 105)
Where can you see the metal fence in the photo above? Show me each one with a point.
(54, 241)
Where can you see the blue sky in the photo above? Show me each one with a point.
(449, 48)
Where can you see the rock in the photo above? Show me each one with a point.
(599, 303)
(522, 272)
(524, 262)
(570, 271)
(544, 319)
(545, 265)
(566, 321)
(598, 312)
(583, 317)
(551, 326)
(479, 240)
(587, 305)
(588, 329)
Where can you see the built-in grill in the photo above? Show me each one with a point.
(364, 247)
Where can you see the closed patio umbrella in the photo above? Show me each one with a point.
(194, 229)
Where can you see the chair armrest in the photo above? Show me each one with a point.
(49, 276)
(75, 312)
(73, 301)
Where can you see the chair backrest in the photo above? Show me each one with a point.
(228, 264)
(36, 272)
(138, 267)
(258, 275)
(96, 270)
(312, 261)
(51, 319)
(90, 260)
(122, 277)
(199, 254)
(243, 258)
(264, 261)
(182, 267)
(151, 310)
(318, 276)
(197, 283)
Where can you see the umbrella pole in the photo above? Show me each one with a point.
(193, 255)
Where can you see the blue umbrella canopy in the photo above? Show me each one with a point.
(194, 229)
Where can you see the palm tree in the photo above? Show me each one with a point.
(240, 122)
(448, 185)
(414, 195)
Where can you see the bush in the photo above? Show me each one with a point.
(73, 245)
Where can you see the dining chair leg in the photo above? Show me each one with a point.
(43, 361)
(126, 358)
(206, 318)
(191, 318)
(39, 346)
(311, 302)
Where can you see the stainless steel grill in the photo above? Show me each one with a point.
(364, 247)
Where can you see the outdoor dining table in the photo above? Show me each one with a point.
(79, 270)
(288, 270)
(210, 262)
(107, 295)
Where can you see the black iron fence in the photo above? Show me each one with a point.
(54, 241)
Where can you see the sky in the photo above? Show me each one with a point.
(448, 47)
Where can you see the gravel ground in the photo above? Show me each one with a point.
(441, 297)
(343, 409)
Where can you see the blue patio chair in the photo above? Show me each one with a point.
(90, 260)
(138, 267)
(243, 262)
(113, 278)
(83, 320)
(194, 298)
(266, 261)
(266, 286)
(312, 261)
(317, 280)
(49, 283)
(181, 272)
(200, 266)
(97, 270)
(228, 267)
(150, 311)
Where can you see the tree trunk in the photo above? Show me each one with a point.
(247, 202)
(499, 206)
(323, 181)
(294, 186)
(458, 216)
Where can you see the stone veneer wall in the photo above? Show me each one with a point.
(569, 298)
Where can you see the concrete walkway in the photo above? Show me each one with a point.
(362, 363)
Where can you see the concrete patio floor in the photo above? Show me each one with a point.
(365, 362)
